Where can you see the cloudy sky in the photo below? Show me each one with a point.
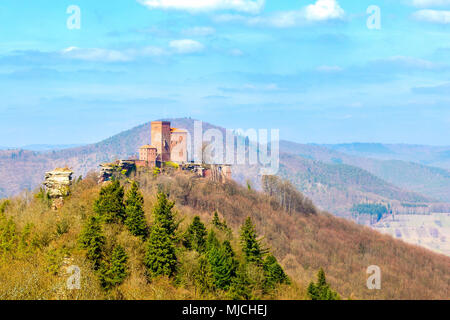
(312, 68)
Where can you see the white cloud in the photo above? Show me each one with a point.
(321, 10)
(106, 55)
(430, 3)
(324, 10)
(410, 63)
(186, 46)
(199, 31)
(286, 19)
(249, 6)
(433, 16)
(95, 54)
(329, 69)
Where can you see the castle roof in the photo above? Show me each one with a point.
(178, 130)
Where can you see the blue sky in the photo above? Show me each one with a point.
(311, 68)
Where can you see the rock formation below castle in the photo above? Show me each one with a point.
(57, 183)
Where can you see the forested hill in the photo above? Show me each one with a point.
(132, 246)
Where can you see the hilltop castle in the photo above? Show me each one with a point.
(167, 144)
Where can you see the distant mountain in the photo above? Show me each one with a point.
(42, 147)
(426, 155)
(337, 187)
(49, 147)
(429, 181)
(334, 180)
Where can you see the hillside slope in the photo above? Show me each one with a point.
(301, 242)
(429, 181)
(426, 155)
(337, 187)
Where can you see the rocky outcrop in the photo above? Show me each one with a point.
(57, 183)
(120, 167)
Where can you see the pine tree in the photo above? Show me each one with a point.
(110, 204)
(195, 236)
(321, 290)
(251, 246)
(134, 212)
(216, 221)
(221, 225)
(321, 280)
(223, 265)
(92, 239)
(114, 273)
(160, 258)
(162, 213)
(240, 288)
(274, 273)
(212, 241)
(313, 293)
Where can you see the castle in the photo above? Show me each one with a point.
(167, 144)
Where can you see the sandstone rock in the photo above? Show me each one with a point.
(107, 170)
(58, 184)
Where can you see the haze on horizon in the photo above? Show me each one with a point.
(311, 68)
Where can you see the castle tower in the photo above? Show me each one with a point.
(148, 154)
(161, 139)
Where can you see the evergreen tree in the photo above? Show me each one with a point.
(110, 204)
(240, 288)
(114, 273)
(313, 293)
(163, 215)
(92, 239)
(228, 250)
(134, 212)
(321, 279)
(321, 290)
(223, 265)
(216, 221)
(251, 246)
(221, 225)
(160, 258)
(212, 241)
(195, 236)
(274, 273)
